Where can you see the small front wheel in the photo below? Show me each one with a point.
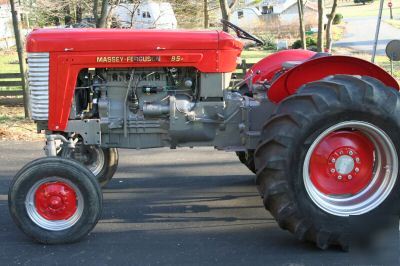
(55, 200)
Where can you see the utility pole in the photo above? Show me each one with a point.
(21, 58)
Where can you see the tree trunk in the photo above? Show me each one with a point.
(206, 15)
(67, 16)
(78, 13)
(95, 10)
(102, 20)
(225, 13)
(320, 42)
(331, 16)
(300, 7)
(21, 58)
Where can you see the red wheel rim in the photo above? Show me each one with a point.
(342, 163)
(55, 201)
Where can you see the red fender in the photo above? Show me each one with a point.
(273, 63)
(319, 68)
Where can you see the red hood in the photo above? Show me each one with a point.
(60, 40)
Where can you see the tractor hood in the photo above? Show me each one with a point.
(77, 40)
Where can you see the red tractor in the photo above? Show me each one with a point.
(320, 131)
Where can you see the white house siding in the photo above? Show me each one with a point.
(147, 15)
(247, 18)
(6, 29)
(283, 12)
(291, 15)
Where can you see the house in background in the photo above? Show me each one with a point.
(247, 17)
(283, 11)
(146, 15)
(6, 28)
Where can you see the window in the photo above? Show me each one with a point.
(146, 14)
(240, 14)
(138, 12)
(267, 10)
(264, 10)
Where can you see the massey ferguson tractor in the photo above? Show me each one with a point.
(320, 131)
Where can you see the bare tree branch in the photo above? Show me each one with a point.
(331, 17)
(300, 7)
(321, 9)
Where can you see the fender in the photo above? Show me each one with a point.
(273, 63)
(320, 68)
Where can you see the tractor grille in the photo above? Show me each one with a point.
(38, 76)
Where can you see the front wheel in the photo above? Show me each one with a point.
(55, 200)
(102, 162)
(330, 153)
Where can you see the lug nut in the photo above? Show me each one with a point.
(341, 153)
(349, 177)
(339, 177)
(333, 160)
(357, 160)
(357, 170)
(332, 170)
(350, 153)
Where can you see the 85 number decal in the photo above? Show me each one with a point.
(176, 58)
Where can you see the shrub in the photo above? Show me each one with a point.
(337, 19)
(269, 40)
(270, 43)
(363, 1)
(311, 42)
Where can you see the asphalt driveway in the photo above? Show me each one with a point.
(167, 207)
(360, 35)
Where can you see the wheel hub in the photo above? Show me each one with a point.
(342, 163)
(55, 201)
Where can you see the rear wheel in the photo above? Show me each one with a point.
(55, 200)
(330, 152)
(102, 162)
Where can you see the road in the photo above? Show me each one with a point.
(360, 35)
(166, 207)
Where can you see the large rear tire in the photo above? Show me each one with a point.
(102, 162)
(55, 200)
(329, 153)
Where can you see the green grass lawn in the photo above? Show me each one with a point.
(393, 22)
(8, 62)
(350, 9)
(254, 56)
(384, 62)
